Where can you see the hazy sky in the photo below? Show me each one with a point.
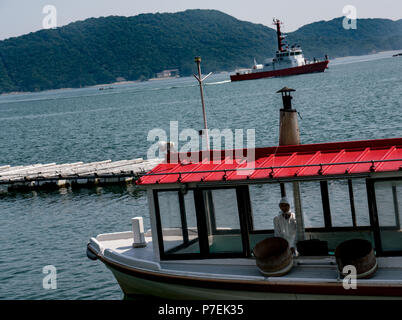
(23, 16)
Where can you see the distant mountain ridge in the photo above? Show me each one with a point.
(371, 35)
(100, 50)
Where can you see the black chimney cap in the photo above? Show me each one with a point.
(286, 97)
(285, 89)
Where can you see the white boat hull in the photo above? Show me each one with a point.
(138, 274)
(134, 286)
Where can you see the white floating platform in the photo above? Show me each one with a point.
(52, 175)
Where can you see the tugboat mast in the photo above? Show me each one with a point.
(278, 23)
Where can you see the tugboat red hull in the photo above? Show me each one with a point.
(308, 68)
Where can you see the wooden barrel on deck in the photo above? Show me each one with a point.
(273, 257)
(358, 253)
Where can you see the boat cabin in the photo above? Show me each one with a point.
(293, 57)
(221, 206)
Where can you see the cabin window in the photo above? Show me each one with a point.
(348, 203)
(198, 223)
(345, 209)
(170, 219)
(312, 207)
(178, 222)
(223, 222)
(338, 192)
(388, 197)
(333, 210)
(264, 200)
(360, 202)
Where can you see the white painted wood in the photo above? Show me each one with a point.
(52, 171)
(138, 232)
(19, 169)
(25, 170)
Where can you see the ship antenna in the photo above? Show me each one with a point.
(200, 80)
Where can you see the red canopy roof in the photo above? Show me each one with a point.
(308, 160)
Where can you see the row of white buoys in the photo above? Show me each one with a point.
(52, 175)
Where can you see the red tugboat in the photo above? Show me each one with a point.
(287, 62)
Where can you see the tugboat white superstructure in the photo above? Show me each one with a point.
(287, 61)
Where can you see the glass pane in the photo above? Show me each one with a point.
(191, 219)
(223, 221)
(289, 195)
(361, 203)
(339, 200)
(310, 193)
(388, 201)
(385, 204)
(341, 214)
(264, 205)
(226, 212)
(180, 235)
(169, 209)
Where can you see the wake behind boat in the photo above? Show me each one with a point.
(287, 62)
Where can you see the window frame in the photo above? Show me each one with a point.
(245, 216)
(374, 221)
(328, 227)
(202, 225)
(169, 254)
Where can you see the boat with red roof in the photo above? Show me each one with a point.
(287, 62)
(210, 237)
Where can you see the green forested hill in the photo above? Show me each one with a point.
(371, 35)
(99, 50)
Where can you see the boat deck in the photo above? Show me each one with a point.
(118, 248)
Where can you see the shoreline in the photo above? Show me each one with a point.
(161, 79)
(15, 93)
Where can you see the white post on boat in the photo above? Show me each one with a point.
(138, 232)
(289, 134)
(200, 81)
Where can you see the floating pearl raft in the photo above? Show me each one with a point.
(54, 176)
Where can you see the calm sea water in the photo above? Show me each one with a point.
(357, 98)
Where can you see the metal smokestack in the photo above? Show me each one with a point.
(289, 133)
